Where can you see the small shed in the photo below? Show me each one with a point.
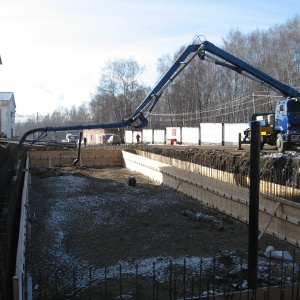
(7, 114)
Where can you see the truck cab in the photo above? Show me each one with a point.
(72, 138)
(287, 123)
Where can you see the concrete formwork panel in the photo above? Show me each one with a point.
(66, 158)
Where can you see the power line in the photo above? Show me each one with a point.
(226, 105)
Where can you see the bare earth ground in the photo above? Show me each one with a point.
(84, 219)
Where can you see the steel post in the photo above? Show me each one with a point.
(254, 204)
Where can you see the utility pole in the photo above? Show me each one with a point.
(253, 100)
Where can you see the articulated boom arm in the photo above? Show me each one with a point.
(203, 50)
(243, 68)
(219, 57)
(43, 131)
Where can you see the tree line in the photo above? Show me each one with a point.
(203, 92)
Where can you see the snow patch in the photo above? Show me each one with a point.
(271, 252)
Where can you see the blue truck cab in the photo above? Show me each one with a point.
(287, 123)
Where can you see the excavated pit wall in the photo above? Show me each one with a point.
(217, 178)
(281, 169)
(118, 159)
(280, 174)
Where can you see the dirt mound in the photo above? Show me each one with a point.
(281, 169)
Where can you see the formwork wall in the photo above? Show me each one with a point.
(222, 191)
(66, 158)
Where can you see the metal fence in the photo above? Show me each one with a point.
(221, 277)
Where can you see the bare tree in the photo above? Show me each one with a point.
(203, 92)
(120, 89)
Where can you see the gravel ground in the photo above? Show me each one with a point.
(87, 219)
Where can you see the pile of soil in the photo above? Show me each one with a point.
(274, 167)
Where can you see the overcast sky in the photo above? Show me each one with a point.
(53, 50)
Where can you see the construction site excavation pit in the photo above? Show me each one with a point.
(90, 225)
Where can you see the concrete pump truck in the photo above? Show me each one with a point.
(280, 129)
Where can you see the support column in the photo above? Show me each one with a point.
(254, 204)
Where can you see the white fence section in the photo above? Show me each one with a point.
(128, 137)
(159, 136)
(173, 133)
(147, 136)
(231, 132)
(190, 135)
(211, 133)
(205, 134)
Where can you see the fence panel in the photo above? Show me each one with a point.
(159, 137)
(190, 135)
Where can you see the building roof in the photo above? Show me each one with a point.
(7, 96)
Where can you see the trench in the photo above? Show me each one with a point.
(92, 272)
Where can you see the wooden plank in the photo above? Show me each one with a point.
(269, 221)
(265, 187)
(66, 158)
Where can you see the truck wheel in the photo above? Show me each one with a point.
(281, 145)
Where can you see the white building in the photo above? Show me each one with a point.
(7, 114)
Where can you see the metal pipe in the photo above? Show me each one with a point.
(200, 277)
(137, 280)
(170, 279)
(153, 281)
(44, 130)
(105, 282)
(121, 285)
(184, 278)
(79, 149)
(254, 204)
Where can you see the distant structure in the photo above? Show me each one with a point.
(7, 115)
(99, 136)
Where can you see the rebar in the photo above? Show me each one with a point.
(200, 283)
